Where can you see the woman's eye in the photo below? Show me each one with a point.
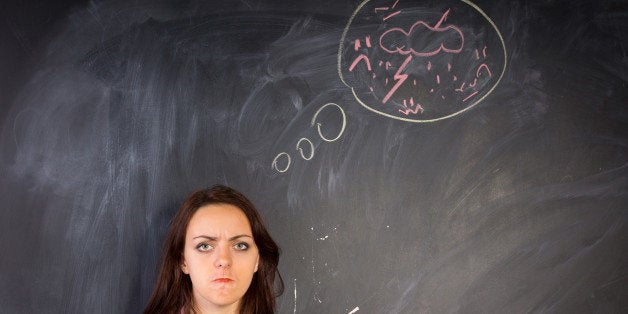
(241, 246)
(203, 247)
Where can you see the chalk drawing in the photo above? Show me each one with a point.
(318, 125)
(447, 57)
(276, 162)
(302, 140)
(282, 161)
(295, 295)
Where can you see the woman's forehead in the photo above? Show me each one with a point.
(219, 219)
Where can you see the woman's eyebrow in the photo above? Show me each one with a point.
(240, 236)
(230, 239)
(205, 237)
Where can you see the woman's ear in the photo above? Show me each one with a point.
(184, 267)
(256, 263)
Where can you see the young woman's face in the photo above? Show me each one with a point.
(220, 256)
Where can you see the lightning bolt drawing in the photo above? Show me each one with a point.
(400, 78)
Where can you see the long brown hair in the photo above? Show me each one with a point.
(173, 289)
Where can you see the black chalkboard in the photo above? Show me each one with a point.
(408, 156)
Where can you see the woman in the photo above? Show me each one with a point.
(218, 257)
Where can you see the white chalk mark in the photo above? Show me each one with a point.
(295, 295)
(275, 161)
(303, 139)
(464, 197)
(354, 310)
(318, 125)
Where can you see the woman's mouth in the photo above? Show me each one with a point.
(222, 280)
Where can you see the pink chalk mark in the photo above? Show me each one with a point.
(391, 15)
(381, 9)
(437, 79)
(414, 82)
(356, 45)
(461, 88)
(400, 79)
(373, 74)
(483, 66)
(442, 19)
(368, 41)
(472, 94)
(475, 80)
(371, 88)
(395, 4)
(448, 66)
(380, 63)
(407, 111)
(386, 82)
(477, 55)
(442, 96)
(484, 52)
(431, 90)
(358, 59)
(429, 65)
(388, 64)
(436, 28)
(455, 78)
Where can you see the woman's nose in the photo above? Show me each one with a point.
(223, 257)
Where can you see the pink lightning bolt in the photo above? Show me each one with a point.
(400, 78)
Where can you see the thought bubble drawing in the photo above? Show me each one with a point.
(420, 61)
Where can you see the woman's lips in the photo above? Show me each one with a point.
(223, 280)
